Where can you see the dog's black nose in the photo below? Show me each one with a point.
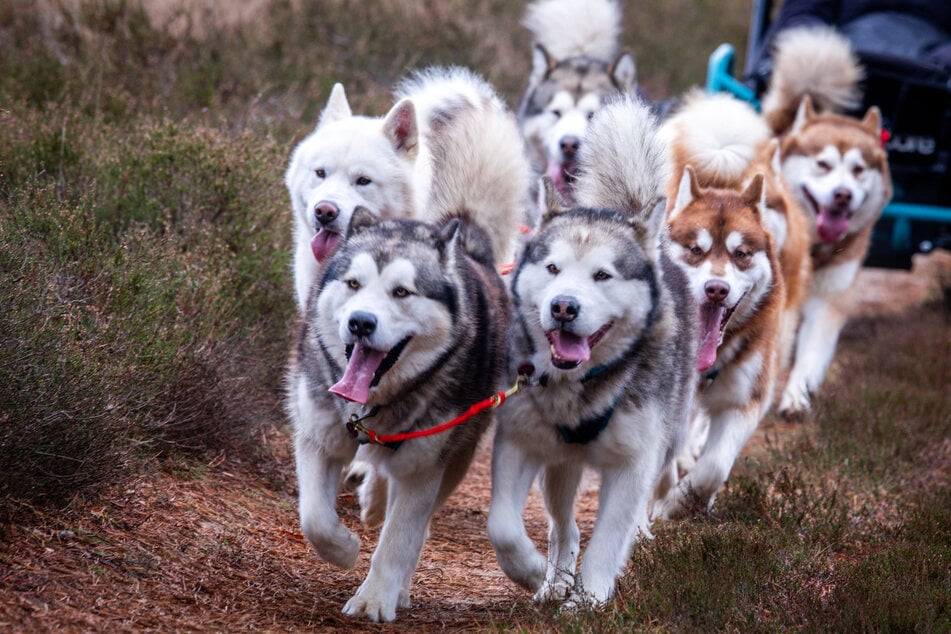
(841, 198)
(362, 324)
(716, 290)
(326, 212)
(570, 145)
(564, 308)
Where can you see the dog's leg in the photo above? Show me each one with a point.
(622, 514)
(409, 508)
(319, 470)
(815, 346)
(372, 496)
(512, 476)
(729, 431)
(559, 485)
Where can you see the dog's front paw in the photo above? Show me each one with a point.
(335, 545)
(795, 404)
(375, 606)
(525, 569)
(555, 590)
(675, 505)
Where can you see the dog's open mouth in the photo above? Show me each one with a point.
(568, 350)
(365, 367)
(831, 222)
(324, 243)
(713, 319)
(563, 174)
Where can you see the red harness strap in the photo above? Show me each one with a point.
(493, 401)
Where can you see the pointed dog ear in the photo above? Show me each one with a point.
(623, 72)
(755, 194)
(872, 122)
(542, 64)
(552, 205)
(804, 114)
(337, 107)
(687, 192)
(649, 223)
(361, 220)
(401, 129)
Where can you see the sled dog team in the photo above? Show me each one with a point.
(672, 272)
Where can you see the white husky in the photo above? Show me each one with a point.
(378, 163)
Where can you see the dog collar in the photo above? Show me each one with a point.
(589, 429)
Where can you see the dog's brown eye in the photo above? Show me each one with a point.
(353, 284)
(363, 180)
(399, 291)
(695, 250)
(321, 173)
(739, 254)
(552, 269)
(824, 165)
(557, 113)
(857, 171)
(601, 275)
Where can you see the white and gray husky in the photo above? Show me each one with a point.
(404, 329)
(604, 324)
(378, 163)
(576, 67)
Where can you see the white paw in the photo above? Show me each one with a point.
(371, 605)
(527, 570)
(555, 590)
(338, 546)
(795, 404)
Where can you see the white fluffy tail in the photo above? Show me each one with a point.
(569, 27)
(623, 166)
(478, 167)
(718, 135)
(814, 61)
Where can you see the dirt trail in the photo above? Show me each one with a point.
(218, 548)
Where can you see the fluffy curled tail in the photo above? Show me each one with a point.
(567, 28)
(623, 166)
(813, 61)
(479, 169)
(716, 134)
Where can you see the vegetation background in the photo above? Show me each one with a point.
(147, 309)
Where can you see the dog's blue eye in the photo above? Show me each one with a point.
(601, 275)
(551, 268)
(363, 180)
(321, 173)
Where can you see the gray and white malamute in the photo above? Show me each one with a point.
(576, 67)
(403, 330)
(604, 324)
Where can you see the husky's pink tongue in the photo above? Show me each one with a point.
(355, 384)
(569, 347)
(324, 243)
(831, 227)
(560, 174)
(710, 316)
